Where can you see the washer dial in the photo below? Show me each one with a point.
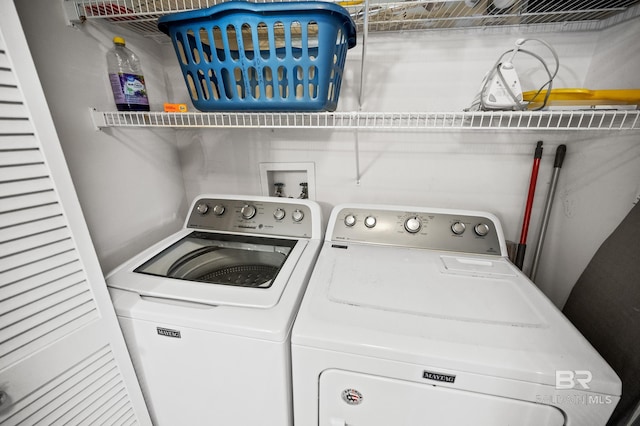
(370, 221)
(297, 215)
(218, 209)
(279, 214)
(349, 220)
(248, 211)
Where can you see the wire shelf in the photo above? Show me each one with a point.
(535, 15)
(517, 120)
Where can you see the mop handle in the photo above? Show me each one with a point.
(557, 164)
(527, 212)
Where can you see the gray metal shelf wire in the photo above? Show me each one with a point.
(416, 121)
(535, 15)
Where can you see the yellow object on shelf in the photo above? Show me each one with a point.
(583, 97)
(168, 107)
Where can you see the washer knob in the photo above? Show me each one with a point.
(279, 214)
(458, 228)
(248, 211)
(350, 220)
(481, 229)
(297, 215)
(218, 209)
(413, 224)
(370, 221)
(202, 208)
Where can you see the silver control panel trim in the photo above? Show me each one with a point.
(238, 216)
(419, 229)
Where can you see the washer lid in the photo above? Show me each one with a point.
(213, 269)
(221, 259)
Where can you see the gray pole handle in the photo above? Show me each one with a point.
(557, 164)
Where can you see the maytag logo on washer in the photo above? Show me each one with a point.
(168, 332)
(438, 377)
(352, 396)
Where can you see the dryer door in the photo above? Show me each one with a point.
(348, 398)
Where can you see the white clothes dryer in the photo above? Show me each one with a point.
(415, 316)
(207, 313)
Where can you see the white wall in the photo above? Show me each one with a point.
(134, 184)
(129, 182)
(616, 59)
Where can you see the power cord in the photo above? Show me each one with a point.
(497, 70)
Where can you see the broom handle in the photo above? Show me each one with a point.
(560, 152)
(522, 246)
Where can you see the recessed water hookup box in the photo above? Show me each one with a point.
(288, 179)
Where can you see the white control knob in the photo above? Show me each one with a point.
(370, 221)
(481, 229)
(218, 209)
(297, 215)
(458, 228)
(350, 220)
(248, 211)
(202, 208)
(413, 224)
(279, 214)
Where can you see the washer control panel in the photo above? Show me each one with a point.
(437, 230)
(256, 217)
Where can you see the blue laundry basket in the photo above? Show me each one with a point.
(240, 56)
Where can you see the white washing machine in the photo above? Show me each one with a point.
(207, 313)
(415, 316)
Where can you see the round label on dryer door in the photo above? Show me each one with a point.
(351, 396)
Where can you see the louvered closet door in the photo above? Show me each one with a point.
(62, 357)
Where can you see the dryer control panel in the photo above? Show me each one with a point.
(273, 218)
(436, 229)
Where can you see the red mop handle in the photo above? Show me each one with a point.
(522, 246)
(532, 190)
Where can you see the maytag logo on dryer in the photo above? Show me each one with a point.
(439, 377)
(168, 332)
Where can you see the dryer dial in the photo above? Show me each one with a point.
(202, 208)
(413, 224)
(481, 229)
(458, 228)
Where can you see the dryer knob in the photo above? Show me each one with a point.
(248, 211)
(413, 224)
(458, 228)
(202, 208)
(297, 215)
(481, 229)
